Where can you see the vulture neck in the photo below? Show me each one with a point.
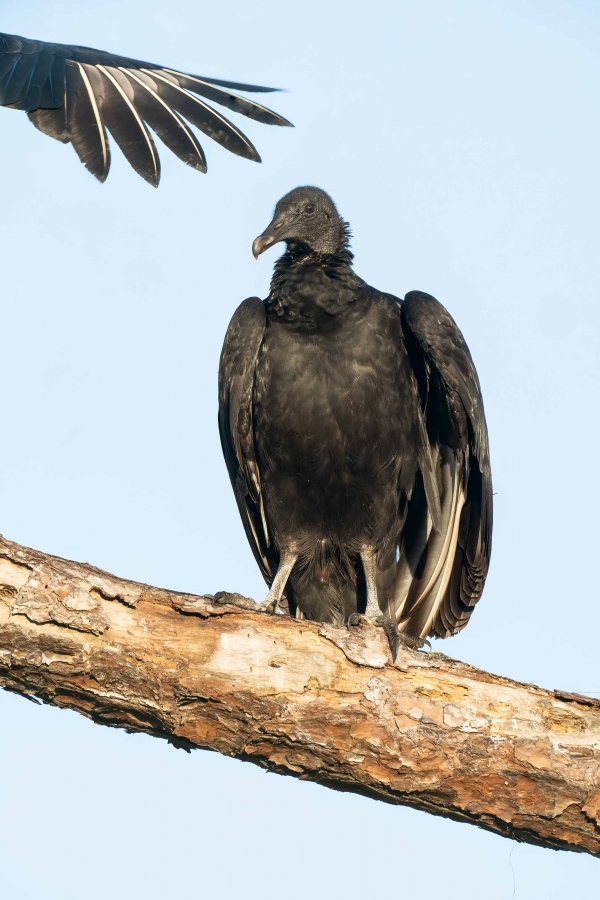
(313, 291)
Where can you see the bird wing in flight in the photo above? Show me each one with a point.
(440, 574)
(74, 94)
(236, 426)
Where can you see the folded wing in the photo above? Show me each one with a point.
(236, 427)
(440, 573)
(75, 94)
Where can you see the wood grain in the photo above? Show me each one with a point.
(303, 699)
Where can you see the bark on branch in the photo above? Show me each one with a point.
(303, 699)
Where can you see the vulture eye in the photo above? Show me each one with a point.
(309, 209)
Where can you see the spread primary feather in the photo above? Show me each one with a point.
(74, 93)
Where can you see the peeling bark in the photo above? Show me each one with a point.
(303, 699)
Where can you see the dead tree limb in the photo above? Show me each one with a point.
(303, 699)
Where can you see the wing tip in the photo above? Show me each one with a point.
(100, 168)
(198, 165)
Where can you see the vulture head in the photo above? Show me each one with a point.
(307, 220)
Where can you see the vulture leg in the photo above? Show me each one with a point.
(271, 603)
(373, 611)
(369, 560)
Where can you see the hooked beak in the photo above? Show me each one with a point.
(262, 243)
(272, 234)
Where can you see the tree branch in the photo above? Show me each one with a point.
(303, 699)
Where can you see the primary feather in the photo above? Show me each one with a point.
(74, 94)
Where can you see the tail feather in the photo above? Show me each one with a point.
(328, 586)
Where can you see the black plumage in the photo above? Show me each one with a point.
(74, 94)
(353, 429)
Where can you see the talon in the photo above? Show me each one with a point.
(268, 606)
(414, 643)
(224, 598)
(392, 634)
(391, 631)
(394, 637)
(355, 619)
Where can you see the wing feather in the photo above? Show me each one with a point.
(440, 575)
(173, 131)
(8, 61)
(201, 115)
(52, 94)
(57, 120)
(88, 134)
(249, 108)
(15, 82)
(127, 126)
(74, 93)
(236, 426)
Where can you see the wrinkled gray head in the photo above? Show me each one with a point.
(307, 216)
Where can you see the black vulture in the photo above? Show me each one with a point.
(353, 429)
(75, 93)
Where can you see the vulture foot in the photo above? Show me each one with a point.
(391, 631)
(270, 605)
(395, 637)
(226, 599)
(413, 643)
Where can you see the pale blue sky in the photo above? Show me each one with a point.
(461, 140)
